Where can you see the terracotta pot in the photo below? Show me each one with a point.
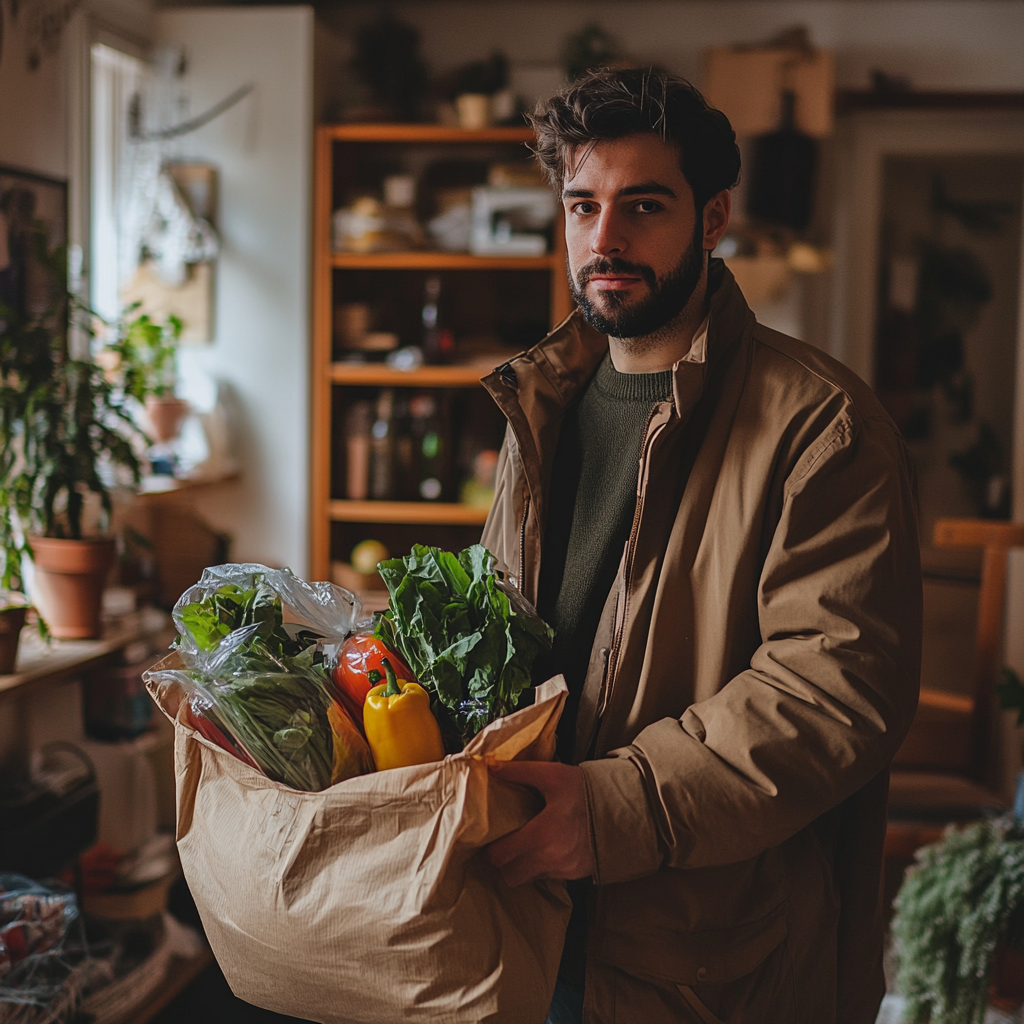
(11, 621)
(165, 417)
(69, 583)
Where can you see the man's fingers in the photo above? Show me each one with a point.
(525, 773)
(519, 872)
(523, 840)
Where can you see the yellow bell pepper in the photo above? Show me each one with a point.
(399, 727)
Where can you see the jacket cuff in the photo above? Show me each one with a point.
(622, 829)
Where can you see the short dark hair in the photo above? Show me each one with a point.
(611, 104)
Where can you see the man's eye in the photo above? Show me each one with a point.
(647, 206)
(583, 208)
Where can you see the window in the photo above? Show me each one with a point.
(115, 77)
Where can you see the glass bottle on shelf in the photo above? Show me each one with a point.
(438, 340)
(358, 423)
(382, 449)
(427, 429)
(404, 451)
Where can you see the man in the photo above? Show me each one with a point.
(719, 522)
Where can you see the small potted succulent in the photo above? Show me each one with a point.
(65, 432)
(140, 359)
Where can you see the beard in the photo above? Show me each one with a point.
(666, 298)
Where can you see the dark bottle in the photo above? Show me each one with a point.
(358, 427)
(431, 447)
(438, 340)
(405, 480)
(382, 449)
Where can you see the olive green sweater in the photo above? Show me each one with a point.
(593, 500)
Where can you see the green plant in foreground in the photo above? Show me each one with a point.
(962, 900)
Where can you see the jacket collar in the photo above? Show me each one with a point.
(552, 372)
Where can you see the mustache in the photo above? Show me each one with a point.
(615, 266)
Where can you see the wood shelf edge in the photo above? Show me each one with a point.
(405, 512)
(377, 375)
(69, 657)
(176, 485)
(429, 259)
(396, 132)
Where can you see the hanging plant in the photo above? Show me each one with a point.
(962, 900)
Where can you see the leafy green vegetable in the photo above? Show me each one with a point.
(211, 619)
(453, 622)
(268, 686)
(280, 718)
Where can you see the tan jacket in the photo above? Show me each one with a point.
(754, 672)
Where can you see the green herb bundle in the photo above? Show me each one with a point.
(266, 684)
(470, 639)
(963, 898)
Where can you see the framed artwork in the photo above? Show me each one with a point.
(33, 242)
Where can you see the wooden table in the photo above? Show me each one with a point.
(40, 664)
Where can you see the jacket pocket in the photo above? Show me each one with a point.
(697, 925)
(699, 958)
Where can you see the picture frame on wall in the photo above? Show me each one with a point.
(33, 243)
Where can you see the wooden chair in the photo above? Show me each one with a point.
(942, 772)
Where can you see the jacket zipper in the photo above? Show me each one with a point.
(522, 546)
(613, 657)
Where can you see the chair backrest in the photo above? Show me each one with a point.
(996, 539)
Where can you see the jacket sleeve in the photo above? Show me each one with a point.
(829, 694)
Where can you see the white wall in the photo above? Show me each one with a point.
(263, 152)
(36, 107)
(940, 44)
(33, 104)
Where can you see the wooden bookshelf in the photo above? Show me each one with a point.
(336, 144)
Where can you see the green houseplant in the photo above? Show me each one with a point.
(959, 924)
(66, 432)
(961, 908)
(140, 359)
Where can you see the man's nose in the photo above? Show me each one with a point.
(609, 239)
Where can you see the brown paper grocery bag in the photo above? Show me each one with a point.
(369, 902)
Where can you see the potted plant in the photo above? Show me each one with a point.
(141, 361)
(13, 608)
(960, 922)
(65, 432)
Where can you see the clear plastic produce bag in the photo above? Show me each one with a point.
(251, 655)
(40, 979)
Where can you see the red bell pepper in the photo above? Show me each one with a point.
(360, 668)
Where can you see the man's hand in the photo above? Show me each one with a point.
(556, 843)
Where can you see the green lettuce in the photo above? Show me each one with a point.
(453, 621)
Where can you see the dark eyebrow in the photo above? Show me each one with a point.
(647, 188)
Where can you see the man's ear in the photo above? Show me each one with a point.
(716, 218)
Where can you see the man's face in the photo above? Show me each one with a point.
(635, 246)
